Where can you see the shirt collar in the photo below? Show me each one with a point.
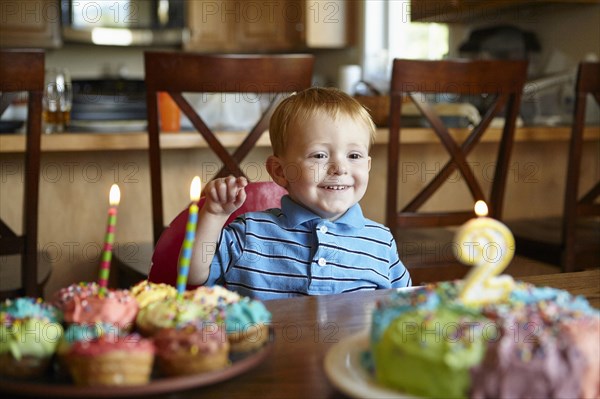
(297, 214)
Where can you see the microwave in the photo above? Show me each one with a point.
(124, 22)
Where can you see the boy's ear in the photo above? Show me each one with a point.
(275, 169)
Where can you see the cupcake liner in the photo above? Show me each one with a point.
(251, 338)
(114, 368)
(26, 367)
(187, 362)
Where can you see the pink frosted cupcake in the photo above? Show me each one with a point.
(111, 360)
(81, 304)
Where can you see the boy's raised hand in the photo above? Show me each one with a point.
(225, 195)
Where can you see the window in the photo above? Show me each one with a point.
(390, 34)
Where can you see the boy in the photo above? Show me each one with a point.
(318, 242)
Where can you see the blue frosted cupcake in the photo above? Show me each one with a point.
(247, 325)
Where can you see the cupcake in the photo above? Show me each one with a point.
(82, 304)
(111, 360)
(213, 298)
(192, 349)
(172, 313)
(247, 325)
(146, 292)
(66, 294)
(29, 334)
(77, 333)
(26, 307)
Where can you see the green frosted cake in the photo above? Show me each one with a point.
(537, 342)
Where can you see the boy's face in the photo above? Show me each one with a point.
(326, 164)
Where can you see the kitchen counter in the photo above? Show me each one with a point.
(15, 143)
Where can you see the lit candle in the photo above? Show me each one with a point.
(185, 255)
(489, 246)
(114, 198)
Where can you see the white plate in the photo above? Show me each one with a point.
(345, 371)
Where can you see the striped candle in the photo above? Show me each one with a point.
(109, 239)
(185, 255)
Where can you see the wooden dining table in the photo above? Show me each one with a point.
(291, 365)
(307, 327)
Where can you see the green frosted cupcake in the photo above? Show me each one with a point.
(30, 331)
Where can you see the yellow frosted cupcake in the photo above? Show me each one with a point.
(146, 292)
(172, 313)
(213, 298)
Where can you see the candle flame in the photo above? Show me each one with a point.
(115, 195)
(195, 189)
(481, 208)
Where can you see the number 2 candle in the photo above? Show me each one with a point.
(114, 198)
(489, 246)
(185, 255)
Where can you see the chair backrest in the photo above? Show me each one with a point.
(23, 71)
(260, 196)
(575, 205)
(177, 72)
(502, 82)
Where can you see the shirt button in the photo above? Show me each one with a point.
(322, 262)
(323, 229)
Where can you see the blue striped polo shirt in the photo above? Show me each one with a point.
(287, 252)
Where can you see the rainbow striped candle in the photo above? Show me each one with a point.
(109, 238)
(185, 255)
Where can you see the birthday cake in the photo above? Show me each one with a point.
(536, 342)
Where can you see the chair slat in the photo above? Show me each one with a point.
(23, 71)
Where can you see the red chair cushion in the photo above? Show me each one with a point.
(259, 196)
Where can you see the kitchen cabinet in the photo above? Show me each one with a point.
(269, 26)
(330, 24)
(30, 23)
(462, 11)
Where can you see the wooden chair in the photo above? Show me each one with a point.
(274, 76)
(424, 241)
(23, 71)
(175, 73)
(573, 240)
